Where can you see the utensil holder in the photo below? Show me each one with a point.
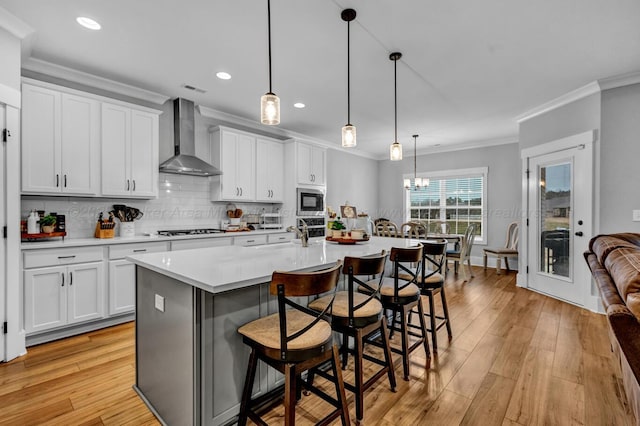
(127, 230)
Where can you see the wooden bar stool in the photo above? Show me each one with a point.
(295, 340)
(431, 282)
(401, 296)
(360, 316)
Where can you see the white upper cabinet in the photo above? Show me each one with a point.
(77, 143)
(235, 154)
(60, 142)
(310, 161)
(129, 152)
(269, 170)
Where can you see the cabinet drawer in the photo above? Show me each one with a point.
(280, 238)
(121, 251)
(61, 256)
(200, 243)
(254, 240)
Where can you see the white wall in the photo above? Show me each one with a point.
(351, 178)
(503, 185)
(10, 68)
(620, 152)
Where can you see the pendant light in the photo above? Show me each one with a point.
(269, 103)
(395, 150)
(349, 130)
(417, 182)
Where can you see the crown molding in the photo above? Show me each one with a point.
(277, 132)
(59, 71)
(14, 25)
(619, 80)
(577, 94)
(582, 92)
(459, 147)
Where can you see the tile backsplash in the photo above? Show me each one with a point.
(183, 202)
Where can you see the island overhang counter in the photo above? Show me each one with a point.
(190, 360)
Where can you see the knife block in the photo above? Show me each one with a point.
(104, 233)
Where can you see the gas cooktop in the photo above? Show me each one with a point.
(201, 231)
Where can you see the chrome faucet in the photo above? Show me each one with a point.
(303, 235)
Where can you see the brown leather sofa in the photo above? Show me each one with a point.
(614, 261)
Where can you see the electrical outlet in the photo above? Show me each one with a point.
(636, 216)
(159, 303)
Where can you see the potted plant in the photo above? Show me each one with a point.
(48, 224)
(336, 228)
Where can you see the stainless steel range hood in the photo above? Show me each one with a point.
(184, 161)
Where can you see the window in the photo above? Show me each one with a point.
(456, 197)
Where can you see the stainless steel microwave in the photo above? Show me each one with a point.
(310, 202)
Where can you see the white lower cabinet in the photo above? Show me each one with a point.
(122, 287)
(122, 274)
(61, 295)
(200, 243)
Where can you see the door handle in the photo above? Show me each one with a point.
(70, 278)
(65, 181)
(134, 184)
(57, 180)
(579, 234)
(62, 285)
(128, 184)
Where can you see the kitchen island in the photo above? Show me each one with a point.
(190, 361)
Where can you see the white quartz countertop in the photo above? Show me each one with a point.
(79, 242)
(220, 269)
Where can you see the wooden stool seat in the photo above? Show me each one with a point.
(431, 277)
(266, 331)
(510, 249)
(387, 289)
(372, 308)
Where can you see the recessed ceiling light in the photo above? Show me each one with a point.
(299, 105)
(88, 23)
(223, 75)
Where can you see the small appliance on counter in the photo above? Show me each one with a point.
(271, 221)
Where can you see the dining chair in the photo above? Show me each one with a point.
(387, 229)
(413, 230)
(510, 249)
(464, 253)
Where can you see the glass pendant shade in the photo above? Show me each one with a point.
(270, 109)
(407, 184)
(395, 151)
(417, 183)
(349, 136)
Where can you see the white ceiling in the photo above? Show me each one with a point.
(468, 68)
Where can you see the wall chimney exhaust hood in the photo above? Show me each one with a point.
(184, 161)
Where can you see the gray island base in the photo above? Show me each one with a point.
(190, 361)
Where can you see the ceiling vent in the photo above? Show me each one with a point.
(193, 88)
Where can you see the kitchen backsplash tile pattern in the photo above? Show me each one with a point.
(183, 202)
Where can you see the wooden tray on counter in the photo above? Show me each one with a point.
(41, 235)
(346, 240)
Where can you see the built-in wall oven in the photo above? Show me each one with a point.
(315, 224)
(310, 202)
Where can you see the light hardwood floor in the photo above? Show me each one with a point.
(517, 358)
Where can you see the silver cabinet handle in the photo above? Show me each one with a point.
(62, 285)
(139, 250)
(281, 238)
(134, 184)
(70, 278)
(65, 181)
(57, 180)
(237, 191)
(67, 257)
(251, 241)
(128, 184)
